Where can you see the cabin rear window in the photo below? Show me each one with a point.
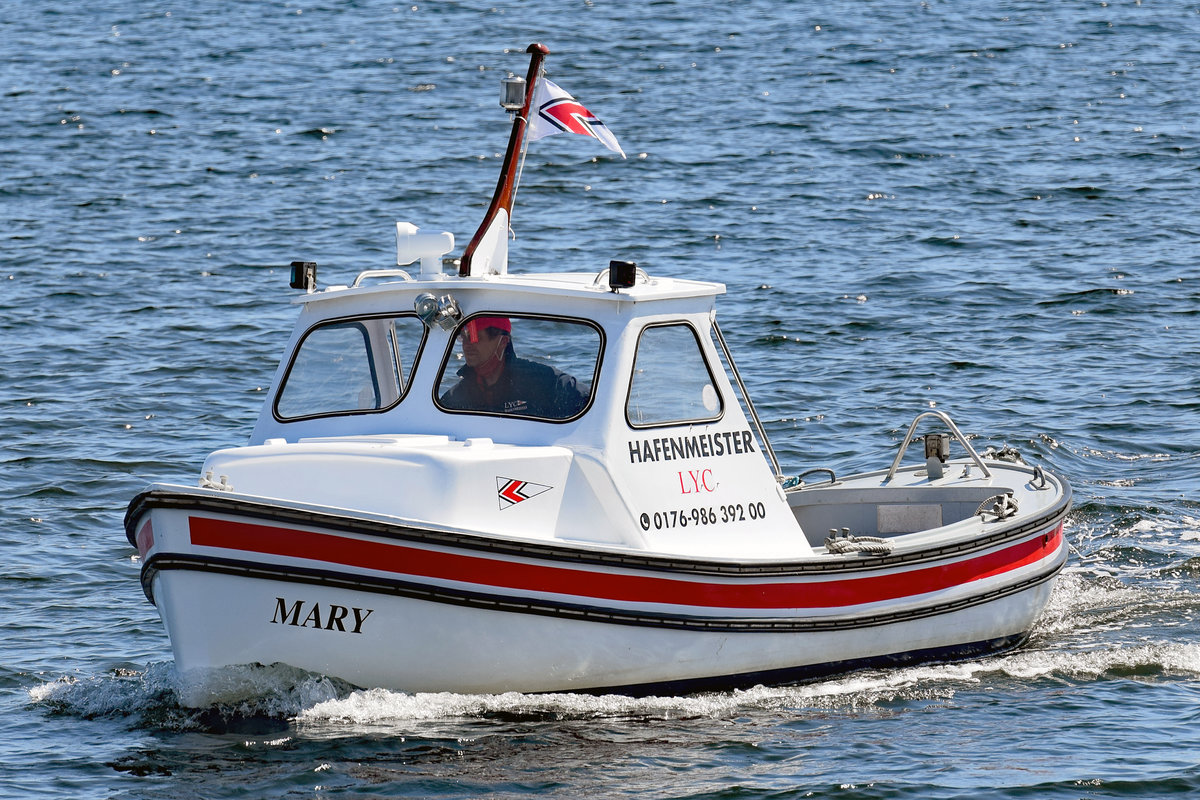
(533, 367)
(350, 366)
(671, 381)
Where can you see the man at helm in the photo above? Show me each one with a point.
(494, 380)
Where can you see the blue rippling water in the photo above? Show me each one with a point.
(990, 208)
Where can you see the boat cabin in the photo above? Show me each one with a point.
(613, 419)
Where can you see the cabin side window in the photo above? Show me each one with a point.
(671, 381)
(350, 366)
(532, 367)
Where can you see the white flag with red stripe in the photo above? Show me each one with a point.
(555, 111)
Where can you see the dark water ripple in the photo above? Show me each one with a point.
(988, 210)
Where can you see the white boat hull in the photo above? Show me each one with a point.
(421, 646)
(381, 604)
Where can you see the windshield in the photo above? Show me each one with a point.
(533, 367)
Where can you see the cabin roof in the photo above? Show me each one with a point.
(577, 285)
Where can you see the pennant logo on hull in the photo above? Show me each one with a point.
(511, 491)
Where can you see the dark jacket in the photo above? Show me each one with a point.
(525, 389)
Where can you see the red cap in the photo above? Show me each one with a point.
(473, 327)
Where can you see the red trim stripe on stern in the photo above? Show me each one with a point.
(145, 538)
(495, 573)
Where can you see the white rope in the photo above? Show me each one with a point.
(1005, 453)
(845, 543)
(1001, 506)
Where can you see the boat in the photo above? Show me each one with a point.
(484, 481)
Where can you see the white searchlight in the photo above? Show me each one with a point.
(428, 248)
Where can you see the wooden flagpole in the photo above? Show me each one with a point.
(506, 186)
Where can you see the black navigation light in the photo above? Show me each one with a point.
(304, 275)
(937, 450)
(621, 274)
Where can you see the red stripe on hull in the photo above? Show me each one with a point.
(145, 538)
(500, 574)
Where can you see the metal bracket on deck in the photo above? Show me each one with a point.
(912, 429)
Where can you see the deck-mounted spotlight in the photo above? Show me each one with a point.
(440, 311)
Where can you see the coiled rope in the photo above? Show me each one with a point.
(1001, 506)
(843, 543)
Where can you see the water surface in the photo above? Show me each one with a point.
(987, 209)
